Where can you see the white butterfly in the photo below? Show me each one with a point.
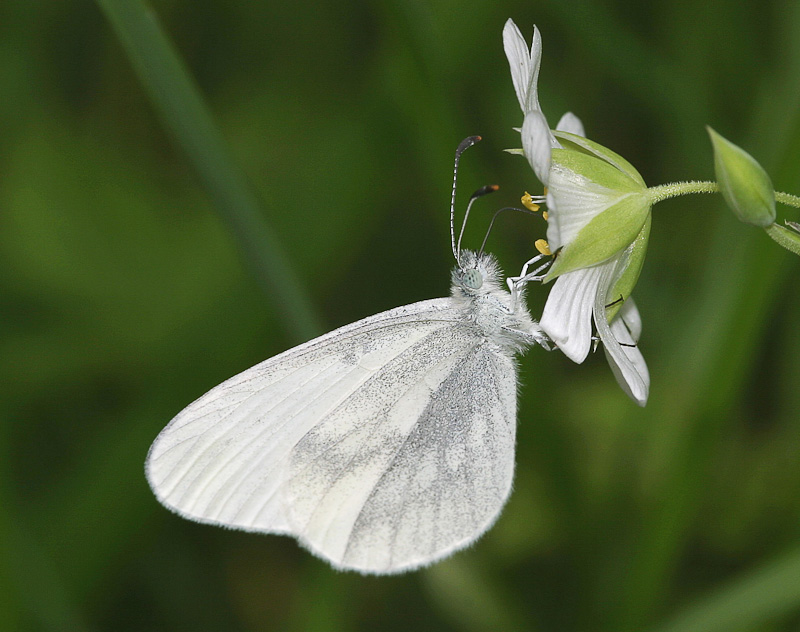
(382, 446)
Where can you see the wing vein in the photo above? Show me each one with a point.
(372, 432)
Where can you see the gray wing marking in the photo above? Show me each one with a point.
(425, 476)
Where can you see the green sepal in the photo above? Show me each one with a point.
(744, 184)
(591, 148)
(634, 254)
(789, 239)
(604, 236)
(596, 170)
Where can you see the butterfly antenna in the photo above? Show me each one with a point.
(462, 147)
(494, 217)
(489, 188)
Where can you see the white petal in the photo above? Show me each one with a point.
(518, 60)
(629, 314)
(524, 65)
(567, 315)
(532, 102)
(626, 362)
(572, 124)
(576, 201)
(537, 142)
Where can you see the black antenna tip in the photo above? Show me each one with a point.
(486, 190)
(466, 144)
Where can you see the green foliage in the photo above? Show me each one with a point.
(125, 295)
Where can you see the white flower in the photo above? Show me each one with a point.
(598, 217)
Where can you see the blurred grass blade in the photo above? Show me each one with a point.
(747, 603)
(186, 117)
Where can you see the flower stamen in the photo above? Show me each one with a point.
(542, 246)
(532, 203)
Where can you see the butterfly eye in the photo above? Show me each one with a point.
(472, 279)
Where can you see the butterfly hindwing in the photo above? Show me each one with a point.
(417, 465)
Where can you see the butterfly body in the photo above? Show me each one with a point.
(382, 446)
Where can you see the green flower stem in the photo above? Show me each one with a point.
(177, 100)
(788, 199)
(675, 189)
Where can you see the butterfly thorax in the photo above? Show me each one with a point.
(477, 286)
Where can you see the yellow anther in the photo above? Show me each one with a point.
(545, 191)
(542, 246)
(528, 203)
(545, 215)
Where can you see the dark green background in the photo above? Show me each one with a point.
(123, 296)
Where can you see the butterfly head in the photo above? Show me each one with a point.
(476, 274)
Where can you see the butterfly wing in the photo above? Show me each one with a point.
(422, 479)
(381, 446)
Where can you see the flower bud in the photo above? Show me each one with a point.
(743, 183)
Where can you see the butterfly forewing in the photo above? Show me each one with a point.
(201, 463)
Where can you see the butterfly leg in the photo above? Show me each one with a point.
(517, 282)
(535, 336)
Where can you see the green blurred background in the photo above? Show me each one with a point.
(124, 295)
